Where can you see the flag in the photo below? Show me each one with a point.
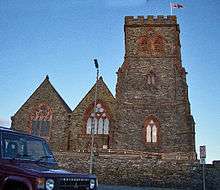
(96, 63)
(176, 5)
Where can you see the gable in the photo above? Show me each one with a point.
(44, 114)
(45, 93)
(103, 95)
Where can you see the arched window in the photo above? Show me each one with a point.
(41, 120)
(98, 120)
(151, 131)
(151, 78)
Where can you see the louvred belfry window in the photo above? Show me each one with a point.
(99, 120)
(151, 131)
(41, 120)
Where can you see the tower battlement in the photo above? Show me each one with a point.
(141, 20)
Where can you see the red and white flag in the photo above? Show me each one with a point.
(176, 5)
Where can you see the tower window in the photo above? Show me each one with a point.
(151, 131)
(151, 78)
(99, 120)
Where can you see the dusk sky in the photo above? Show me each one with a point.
(62, 37)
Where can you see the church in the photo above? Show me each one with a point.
(142, 132)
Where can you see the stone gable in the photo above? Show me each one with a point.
(45, 95)
(79, 139)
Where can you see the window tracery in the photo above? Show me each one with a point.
(41, 120)
(99, 120)
(151, 132)
(151, 78)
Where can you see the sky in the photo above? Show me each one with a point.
(60, 38)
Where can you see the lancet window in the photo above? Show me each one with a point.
(98, 121)
(151, 78)
(41, 120)
(151, 131)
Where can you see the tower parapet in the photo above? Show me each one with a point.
(141, 20)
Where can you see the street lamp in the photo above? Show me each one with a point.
(103, 123)
(93, 116)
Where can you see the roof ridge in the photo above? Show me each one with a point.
(100, 80)
(59, 96)
(44, 81)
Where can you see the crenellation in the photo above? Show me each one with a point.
(160, 18)
(141, 20)
(149, 19)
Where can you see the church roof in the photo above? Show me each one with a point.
(58, 95)
(92, 90)
(47, 82)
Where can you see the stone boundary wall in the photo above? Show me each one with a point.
(139, 170)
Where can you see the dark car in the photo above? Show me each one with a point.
(26, 163)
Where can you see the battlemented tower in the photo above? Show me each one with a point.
(153, 110)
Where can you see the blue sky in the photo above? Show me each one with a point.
(62, 37)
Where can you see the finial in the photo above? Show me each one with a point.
(96, 63)
(47, 77)
(100, 78)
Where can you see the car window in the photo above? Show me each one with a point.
(35, 149)
(25, 147)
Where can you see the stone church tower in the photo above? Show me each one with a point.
(152, 106)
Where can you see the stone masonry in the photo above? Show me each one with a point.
(47, 95)
(143, 169)
(148, 134)
(166, 99)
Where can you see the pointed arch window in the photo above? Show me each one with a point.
(151, 131)
(98, 120)
(41, 120)
(151, 78)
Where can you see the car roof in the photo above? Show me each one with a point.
(2, 128)
(5, 129)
